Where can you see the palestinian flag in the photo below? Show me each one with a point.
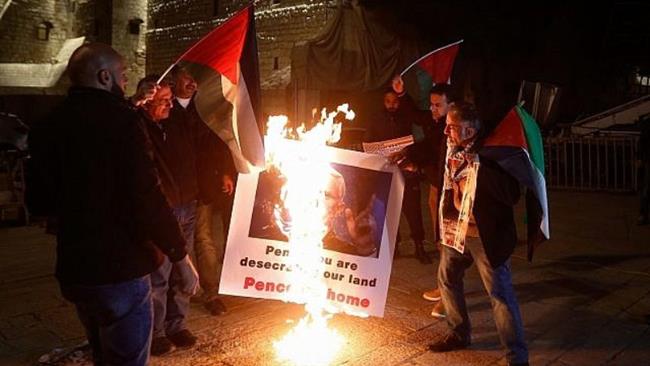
(433, 68)
(516, 145)
(225, 66)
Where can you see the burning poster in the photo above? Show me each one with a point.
(316, 212)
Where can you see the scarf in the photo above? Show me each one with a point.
(459, 190)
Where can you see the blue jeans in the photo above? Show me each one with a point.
(170, 304)
(117, 319)
(497, 282)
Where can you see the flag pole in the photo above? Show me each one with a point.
(165, 73)
(425, 56)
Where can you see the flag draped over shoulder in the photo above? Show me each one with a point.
(516, 145)
(224, 63)
(433, 68)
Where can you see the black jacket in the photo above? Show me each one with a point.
(429, 154)
(92, 171)
(496, 194)
(189, 156)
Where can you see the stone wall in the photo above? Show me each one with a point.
(98, 20)
(127, 15)
(19, 30)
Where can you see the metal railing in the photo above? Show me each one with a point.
(592, 163)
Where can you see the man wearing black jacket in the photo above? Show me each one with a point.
(94, 174)
(214, 171)
(174, 142)
(488, 234)
(392, 122)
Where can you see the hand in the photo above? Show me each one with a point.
(398, 84)
(408, 166)
(362, 228)
(145, 93)
(397, 157)
(228, 185)
(189, 276)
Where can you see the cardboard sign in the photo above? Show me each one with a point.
(356, 275)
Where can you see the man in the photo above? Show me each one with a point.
(428, 158)
(175, 157)
(394, 122)
(478, 226)
(96, 177)
(214, 171)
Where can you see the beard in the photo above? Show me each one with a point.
(116, 88)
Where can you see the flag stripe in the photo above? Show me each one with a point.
(518, 163)
(221, 49)
(533, 137)
(508, 133)
(440, 64)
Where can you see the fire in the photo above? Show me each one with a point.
(301, 160)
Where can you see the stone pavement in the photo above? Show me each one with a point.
(585, 300)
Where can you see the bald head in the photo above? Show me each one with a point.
(97, 65)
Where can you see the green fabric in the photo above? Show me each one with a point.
(357, 52)
(533, 138)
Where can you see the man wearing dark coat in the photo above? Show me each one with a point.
(477, 226)
(93, 173)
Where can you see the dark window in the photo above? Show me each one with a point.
(134, 25)
(276, 63)
(43, 31)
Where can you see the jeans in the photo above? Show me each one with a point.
(117, 319)
(498, 284)
(170, 304)
(210, 250)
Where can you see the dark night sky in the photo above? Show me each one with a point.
(587, 48)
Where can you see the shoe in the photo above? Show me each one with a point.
(519, 364)
(451, 342)
(183, 339)
(432, 295)
(438, 311)
(422, 256)
(642, 220)
(160, 346)
(215, 307)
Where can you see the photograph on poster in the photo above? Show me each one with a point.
(356, 200)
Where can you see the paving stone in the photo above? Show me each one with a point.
(605, 344)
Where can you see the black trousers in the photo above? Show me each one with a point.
(412, 208)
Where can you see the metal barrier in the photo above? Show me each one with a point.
(592, 163)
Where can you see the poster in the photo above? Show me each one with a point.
(356, 273)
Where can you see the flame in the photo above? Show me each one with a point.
(299, 156)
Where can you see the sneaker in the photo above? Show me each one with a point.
(451, 342)
(160, 346)
(432, 295)
(183, 339)
(438, 311)
(215, 307)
